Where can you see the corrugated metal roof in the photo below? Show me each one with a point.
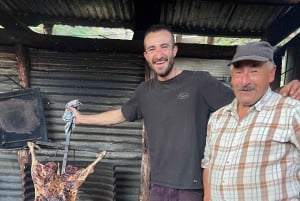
(72, 12)
(201, 17)
(222, 18)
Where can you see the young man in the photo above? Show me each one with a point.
(253, 144)
(175, 107)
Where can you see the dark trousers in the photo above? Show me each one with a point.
(161, 193)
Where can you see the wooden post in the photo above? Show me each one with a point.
(145, 163)
(23, 71)
(23, 158)
(209, 40)
(178, 38)
(22, 65)
(48, 29)
(145, 170)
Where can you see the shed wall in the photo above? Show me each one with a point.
(101, 81)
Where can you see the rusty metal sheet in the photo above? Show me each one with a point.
(21, 118)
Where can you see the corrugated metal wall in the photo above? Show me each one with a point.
(8, 69)
(10, 176)
(101, 81)
(217, 68)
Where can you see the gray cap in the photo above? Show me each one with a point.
(255, 51)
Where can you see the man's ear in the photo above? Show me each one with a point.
(175, 50)
(272, 74)
(145, 55)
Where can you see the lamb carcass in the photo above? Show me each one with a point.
(50, 185)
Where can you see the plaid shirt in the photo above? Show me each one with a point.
(258, 157)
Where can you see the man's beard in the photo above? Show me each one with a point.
(168, 70)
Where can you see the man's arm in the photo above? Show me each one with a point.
(206, 187)
(291, 89)
(101, 119)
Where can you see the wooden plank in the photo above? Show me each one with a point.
(73, 44)
(22, 65)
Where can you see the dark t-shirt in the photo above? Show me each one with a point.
(175, 114)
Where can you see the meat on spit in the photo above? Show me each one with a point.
(50, 185)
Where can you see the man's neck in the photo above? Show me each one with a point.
(242, 111)
(171, 75)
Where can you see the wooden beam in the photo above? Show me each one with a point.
(22, 65)
(205, 51)
(212, 32)
(295, 42)
(74, 44)
(67, 43)
(36, 19)
(9, 21)
(259, 2)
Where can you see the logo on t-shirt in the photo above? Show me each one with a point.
(183, 95)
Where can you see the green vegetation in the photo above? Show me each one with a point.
(87, 32)
(232, 41)
(126, 34)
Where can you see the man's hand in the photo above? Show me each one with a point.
(291, 89)
(76, 114)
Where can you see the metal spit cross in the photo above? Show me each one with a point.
(68, 117)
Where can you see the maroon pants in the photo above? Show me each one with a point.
(161, 193)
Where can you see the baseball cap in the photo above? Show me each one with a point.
(255, 51)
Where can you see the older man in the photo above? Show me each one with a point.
(253, 144)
